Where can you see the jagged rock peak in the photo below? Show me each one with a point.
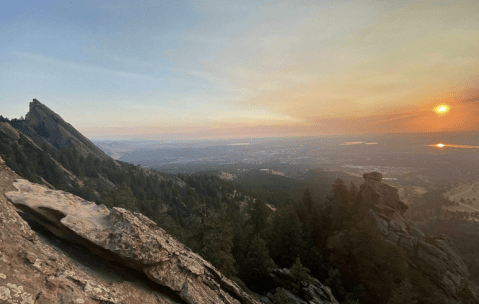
(130, 239)
(41, 123)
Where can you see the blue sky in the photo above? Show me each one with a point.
(179, 69)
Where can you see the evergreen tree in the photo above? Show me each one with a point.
(281, 297)
(259, 215)
(120, 196)
(257, 264)
(286, 241)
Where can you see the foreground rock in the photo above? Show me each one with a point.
(34, 269)
(130, 239)
(436, 257)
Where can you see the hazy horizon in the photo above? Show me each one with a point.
(212, 69)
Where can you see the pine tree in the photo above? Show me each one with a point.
(286, 241)
(257, 263)
(300, 274)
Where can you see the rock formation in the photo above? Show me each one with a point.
(34, 269)
(436, 257)
(41, 123)
(311, 293)
(11, 136)
(126, 238)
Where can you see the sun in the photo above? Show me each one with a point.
(441, 109)
(440, 145)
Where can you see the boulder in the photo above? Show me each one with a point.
(130, 239)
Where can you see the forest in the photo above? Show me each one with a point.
(243, 236)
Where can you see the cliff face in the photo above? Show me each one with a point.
(435, 257)
(43, 123)
(10, 136)
(149, 266)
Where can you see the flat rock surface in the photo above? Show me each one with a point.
(34, 269)
(130, 239)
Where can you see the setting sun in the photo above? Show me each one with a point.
(440, 145)
(442, 109)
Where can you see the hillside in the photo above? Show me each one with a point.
(55, 275)
(202, 238)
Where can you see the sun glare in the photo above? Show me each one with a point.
(440, 145)
(442, 109)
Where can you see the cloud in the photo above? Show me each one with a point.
(333, 61)
(84, 68)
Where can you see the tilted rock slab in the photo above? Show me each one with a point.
(436, 257)
(32, 270)
(41, 123)
(130, 239)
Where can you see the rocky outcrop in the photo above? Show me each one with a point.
(10, 136)
(435, 257)
(129, 239)
(41, 123)
(308, 293)
(34, 269)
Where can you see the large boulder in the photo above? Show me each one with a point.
(435, 256)
(129, 239)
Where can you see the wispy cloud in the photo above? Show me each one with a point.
(86, 68)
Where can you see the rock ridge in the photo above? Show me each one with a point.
(41, 123)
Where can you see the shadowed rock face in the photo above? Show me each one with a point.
(436, 257)
(130, 239)
(43, 123)
(313, 292)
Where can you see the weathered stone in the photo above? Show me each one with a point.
(435, 257)
(130, 239)
(375, 192)
(41, 123)
(58, 278)
(313, 292)
(375, 176)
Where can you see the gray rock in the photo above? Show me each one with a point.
(43, 124)
(13, 135)
(265, 300)
(130, 239)
(435, 256)
(313, 292)
(375, 176)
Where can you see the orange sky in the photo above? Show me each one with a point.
(249, 68)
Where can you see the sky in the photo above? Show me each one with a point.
(225, 69)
